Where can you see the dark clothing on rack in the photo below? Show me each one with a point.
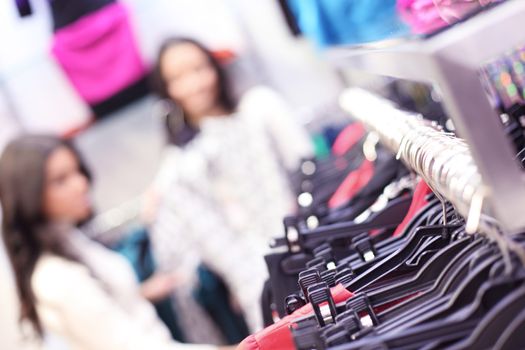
(397, 277)
(65, 12)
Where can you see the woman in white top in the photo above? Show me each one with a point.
(223, 183)
(67, 284)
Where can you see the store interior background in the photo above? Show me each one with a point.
(256, 33)
(431, 83)
(35, 95)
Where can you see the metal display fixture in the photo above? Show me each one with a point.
(442, 160)
(451, 61)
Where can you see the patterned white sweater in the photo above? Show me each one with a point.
(226, 192)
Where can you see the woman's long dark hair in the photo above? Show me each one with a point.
(25, 229)
(225, 97)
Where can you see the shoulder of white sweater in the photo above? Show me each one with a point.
(69, 287)
(52, 273)
(260, 96)
(262, 102)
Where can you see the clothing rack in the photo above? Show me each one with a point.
(451, 61)
(442, 160)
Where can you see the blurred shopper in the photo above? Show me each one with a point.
(67, 284)
(223, 185)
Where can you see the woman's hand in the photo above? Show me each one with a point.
(150, 206)
(160, 286)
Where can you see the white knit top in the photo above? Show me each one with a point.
(105, 312)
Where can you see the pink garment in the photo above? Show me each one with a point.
(454, 10)
(98, 53)
(421, 15)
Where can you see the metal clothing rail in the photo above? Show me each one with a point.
(442, 160)
(451, 61)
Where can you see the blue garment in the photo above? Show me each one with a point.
(135, 247)
(336, 22)
(212, 293)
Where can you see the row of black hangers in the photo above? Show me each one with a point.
(434, 286)
(458, 294)
(335, 225)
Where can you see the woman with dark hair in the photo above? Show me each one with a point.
(223, 184)
(195, 85)
(207, 75)
(67, 284)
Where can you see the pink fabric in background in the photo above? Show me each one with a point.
(453, 10)
(98, 53)
(421, 15)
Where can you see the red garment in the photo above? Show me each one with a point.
(278, 336)
(352, 184)
(418, 201)
(348, 138)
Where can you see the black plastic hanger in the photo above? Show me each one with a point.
(389, 217)
(438, 295)
(424, 279)
(308, 239)
(494, 324)
(400, 257)
(390, 245)
(444, 328)
(460, 312)
(513, 338)
(464, 295)
(438, 288)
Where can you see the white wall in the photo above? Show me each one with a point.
(40, 97)
(291, 65)
(9, 126)
(207, 20)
